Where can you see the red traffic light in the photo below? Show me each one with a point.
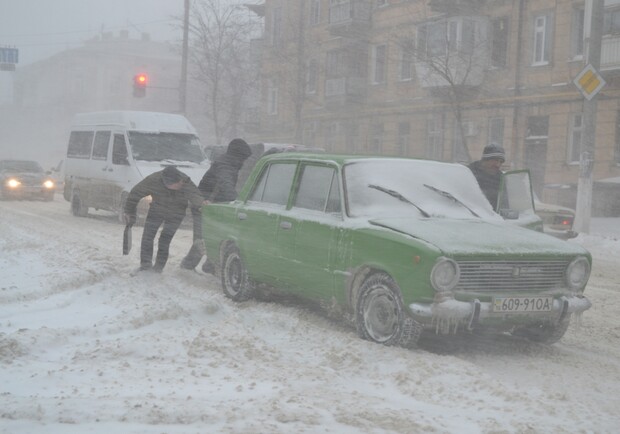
(139, 85)
(141, 80)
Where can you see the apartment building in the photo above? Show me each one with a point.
(440, 79)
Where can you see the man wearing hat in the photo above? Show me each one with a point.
(170, 190)
(488, 171)
(218, 184)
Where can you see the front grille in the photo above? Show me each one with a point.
(511, 275)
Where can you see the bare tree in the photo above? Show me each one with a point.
(221, 63)
(451, 57)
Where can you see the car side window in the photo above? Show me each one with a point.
(101, 145)
(275, 183)
(119, 150)
(80, 144)
(315, 189)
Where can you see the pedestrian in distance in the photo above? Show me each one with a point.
(217, 185)
(171, 191)
(488, 171)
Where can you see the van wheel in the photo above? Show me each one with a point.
(77, 207)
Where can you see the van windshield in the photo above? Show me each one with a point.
(165, 146)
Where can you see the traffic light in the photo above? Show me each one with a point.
(139, 85)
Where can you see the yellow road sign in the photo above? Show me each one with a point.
(589, 82)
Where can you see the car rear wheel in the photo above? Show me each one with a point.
(380, 316)
(235, 281)
(77, 206)
(544, 333)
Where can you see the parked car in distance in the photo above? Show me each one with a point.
(395, 247)
(25, 179)
(557, 220)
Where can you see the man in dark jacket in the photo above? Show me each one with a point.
(170, 190)
(488, 171)
(217, 185)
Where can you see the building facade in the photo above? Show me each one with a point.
(440, 79)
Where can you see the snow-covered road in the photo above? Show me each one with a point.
(86, 348)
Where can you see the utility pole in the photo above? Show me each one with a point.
(183, 84)
(593, 32)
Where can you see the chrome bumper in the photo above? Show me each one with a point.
(448, 314)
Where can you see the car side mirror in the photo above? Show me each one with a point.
(509, 214)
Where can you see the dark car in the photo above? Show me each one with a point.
(25, 179)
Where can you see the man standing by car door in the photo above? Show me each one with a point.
(488, 171)
(217, 185)
(171, 190)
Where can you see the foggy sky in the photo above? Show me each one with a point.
(41, 28)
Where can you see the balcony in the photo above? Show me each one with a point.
(349, 16)
(610, 52)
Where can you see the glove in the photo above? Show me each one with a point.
(130, 219)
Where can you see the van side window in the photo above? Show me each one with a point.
(119, 150)
(101, 145)
(80, 144)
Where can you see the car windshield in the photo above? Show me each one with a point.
(21, 166)
(165, 146)
(417, 188)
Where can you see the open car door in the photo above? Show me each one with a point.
(515, 202)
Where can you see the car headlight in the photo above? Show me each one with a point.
(445, 274)
(13, 183)
(48, 183)
(578, 273)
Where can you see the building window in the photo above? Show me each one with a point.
(575, 138)
(434, 144)
(542, 40)
(404, 138)
(406, 63)
(577, 28)
(496, 131)
(611, 21)
(499, 42)
(459, 153)
(272, 97)
(311, 77)
(276, 25)
(379, 56)
(457, 35)
(315, 12)
(377, 138)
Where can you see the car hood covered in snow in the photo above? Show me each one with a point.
(457, 237)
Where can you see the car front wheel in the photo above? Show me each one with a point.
(380, 316)
(235, 281)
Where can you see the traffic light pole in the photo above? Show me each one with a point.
(593, 41)
(183, 84)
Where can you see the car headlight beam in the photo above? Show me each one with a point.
(48, 184)
(577, 273)
(445, 274)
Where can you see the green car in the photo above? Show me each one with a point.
(395, 245)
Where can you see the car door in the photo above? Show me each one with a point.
(100, 192)
(308, 230)
(259, 219)
(516, 200)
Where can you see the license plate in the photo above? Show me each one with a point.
(522, 304)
